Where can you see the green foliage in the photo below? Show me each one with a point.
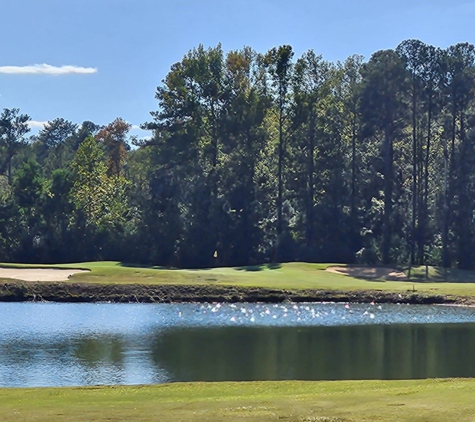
(52, 145)
(27, 185)
(13, 128)
(101, 198)
(258, 158)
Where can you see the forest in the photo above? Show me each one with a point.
(258, 157)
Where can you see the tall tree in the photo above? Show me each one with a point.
(50, 143)
(189, 131)
(58, 215)
(279, 62)
(431, 77)
(114, 138)
(101, 198)
(414, 54)
(27, 191)
(243, 172)
(383, 111)
(13, 128)
(460, 87)
(310, 90)
(350, 86)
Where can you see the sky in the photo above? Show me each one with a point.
(102, 59)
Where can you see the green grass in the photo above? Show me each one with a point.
(417, 400)
(282, 276)
(439, 274)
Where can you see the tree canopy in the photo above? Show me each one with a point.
(259, 157)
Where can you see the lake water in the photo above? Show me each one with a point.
(48, 344)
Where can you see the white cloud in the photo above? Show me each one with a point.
(46, 69)
(138, 129)
(36, 124)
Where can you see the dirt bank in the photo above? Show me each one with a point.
(17, 291)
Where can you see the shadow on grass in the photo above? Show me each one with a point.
(260, 267)
(444, 275)
(373, 273)
(416, 275)
(134, 265)
(251, 268)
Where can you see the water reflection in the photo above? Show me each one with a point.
(317, 353)
(84, 344)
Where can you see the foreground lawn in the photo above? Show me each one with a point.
(294, 275)
(419, 400)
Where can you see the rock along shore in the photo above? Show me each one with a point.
(18, 291)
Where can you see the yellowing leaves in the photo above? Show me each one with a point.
(102, 198)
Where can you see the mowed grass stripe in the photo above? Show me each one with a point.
(416, 400)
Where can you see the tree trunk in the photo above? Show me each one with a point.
(445, 228)
(449, 176)
(311, 183)
(414, 174)
(425, 211)
(279, 176)
(353, 169)
(9, 168)
(388, 185)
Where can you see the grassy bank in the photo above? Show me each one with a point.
(417, 400)
(288, 276)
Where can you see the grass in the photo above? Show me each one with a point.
(439, 274)
(294, 275)
(293, 401)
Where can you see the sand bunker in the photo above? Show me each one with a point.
(370, 273)
(38, 274)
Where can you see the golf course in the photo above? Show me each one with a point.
(121, 282)
(370, 400)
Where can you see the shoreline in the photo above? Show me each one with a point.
(20, 291)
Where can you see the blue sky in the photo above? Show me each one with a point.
(122, 49)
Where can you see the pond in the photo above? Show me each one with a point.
(49, 344)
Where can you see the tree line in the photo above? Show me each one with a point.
(259, 157)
